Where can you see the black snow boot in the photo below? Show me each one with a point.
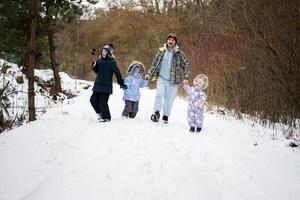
(165, 119)
(155, 116)
(192, 129)
(103, 120)
(198, 130)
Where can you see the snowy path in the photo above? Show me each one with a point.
(67, 155)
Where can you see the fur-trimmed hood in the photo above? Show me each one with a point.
(202, 78)
(136, 64)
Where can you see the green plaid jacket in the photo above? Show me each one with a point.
(180, 69)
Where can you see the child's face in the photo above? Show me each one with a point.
(136, 71)
(103, 53)
(199, 83)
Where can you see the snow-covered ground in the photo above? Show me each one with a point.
(67, 155)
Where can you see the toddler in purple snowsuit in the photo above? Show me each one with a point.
(197, 98)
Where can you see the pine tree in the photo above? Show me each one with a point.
(56, 14)
(14, 22)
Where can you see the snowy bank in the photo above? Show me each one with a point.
(14, 93)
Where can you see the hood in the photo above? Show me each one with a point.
(135, 64)
(201, 78)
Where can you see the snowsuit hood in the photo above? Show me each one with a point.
(203, 79)
(134, 83)
(135, 64)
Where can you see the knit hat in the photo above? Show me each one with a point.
(201, 81)
(109, 48)
(172, 35)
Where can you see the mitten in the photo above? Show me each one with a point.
(124, 87)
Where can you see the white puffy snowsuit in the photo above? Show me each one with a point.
(197, 98)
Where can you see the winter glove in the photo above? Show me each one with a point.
(93, 66)
(147, 77)
(184, 82)
(93, 63)
(124, 87)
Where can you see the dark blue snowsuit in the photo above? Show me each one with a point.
(104, 68)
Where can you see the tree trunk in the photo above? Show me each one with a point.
(176, 5)
(157, 11)
(54, 64)
(165, 5)
(31, 62)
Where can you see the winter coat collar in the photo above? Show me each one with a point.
(164, 48)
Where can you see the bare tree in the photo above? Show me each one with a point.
(157, 10)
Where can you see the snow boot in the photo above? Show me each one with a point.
(198, 129)
(100, 119)
(104, 120)
(192, 129)
(155, 116)
(165, 119)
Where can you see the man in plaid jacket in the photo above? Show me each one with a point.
(170, 68)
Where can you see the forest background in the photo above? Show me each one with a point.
(249, 49)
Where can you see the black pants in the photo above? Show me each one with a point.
(99, 102)
(130, 109)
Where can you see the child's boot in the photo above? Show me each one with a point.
(132, 115)
(198, 129)
(192, 129)
(104, 120)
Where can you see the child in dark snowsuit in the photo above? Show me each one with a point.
(105, 67)
(134, 82)
(197, 98)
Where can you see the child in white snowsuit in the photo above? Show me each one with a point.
(197, 98)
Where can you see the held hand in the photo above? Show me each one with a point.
(185, 82)
(124, 87)
(147, 77)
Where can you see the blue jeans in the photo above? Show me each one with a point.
(165, 96)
